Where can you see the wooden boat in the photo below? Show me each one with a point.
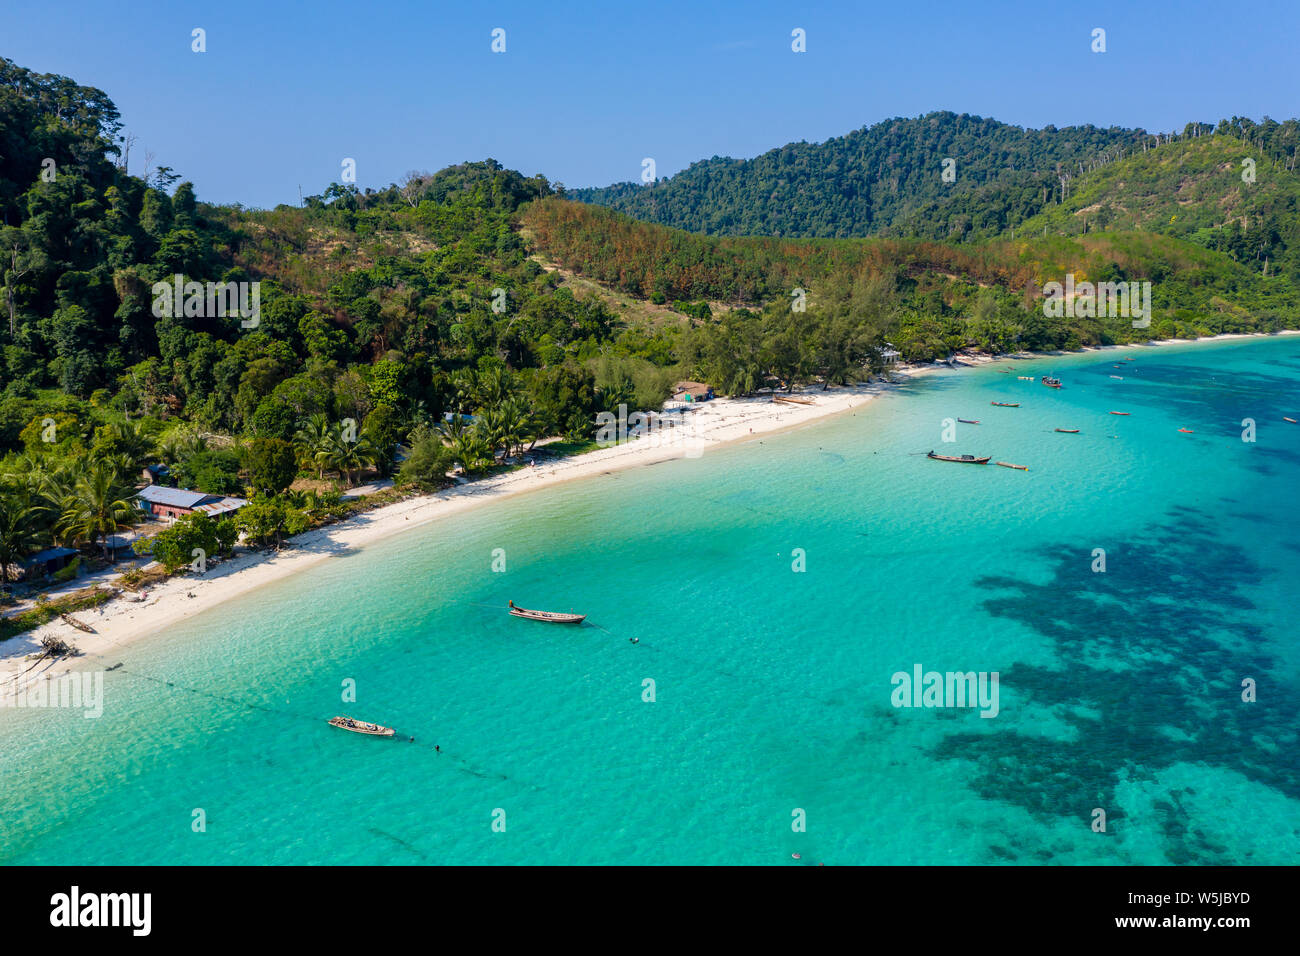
(360, 727)
(968, 421)
(1120, 377)
(1291, 420)
(1007, 464)
(1050, 382)
(550, 617)
(792, 400)
(1006, 404)
(964, 459)
(1187, 431)
(1025, 378)
(70, 620)
(1121, 413)
(1069, 431)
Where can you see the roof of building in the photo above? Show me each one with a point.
(221, 506)
(49, 554)
(691, 387)
(175, 497)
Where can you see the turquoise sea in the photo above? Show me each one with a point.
(1119, 690)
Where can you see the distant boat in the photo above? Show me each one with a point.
(1291, 420)
(360, 727)
(551, 617)
(1050, 382)
(1120, 377)
(1007, 464)
(1121, 413)
(1187, 431)
(1069, 431)
(964, 459)
(1006, 404)
(968, 421)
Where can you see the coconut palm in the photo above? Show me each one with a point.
(466, 442)
(18, 533)
(312, 438)
(346, 455)
(466, 387)
(129, 439)
(99, 505)
(355, 456)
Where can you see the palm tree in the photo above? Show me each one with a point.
(129, 439)
(98, 506)
(350, 456)
(312, 438)
(466, 442)
(494, 386)
(466, 386)
(18, 533)
(517, 423)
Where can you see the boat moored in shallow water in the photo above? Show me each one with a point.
(550, 617)
(1050, 382)
(1006, 404)
(360, 727)
(963, 459)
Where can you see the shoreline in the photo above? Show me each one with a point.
(721, 421)
(120, 623)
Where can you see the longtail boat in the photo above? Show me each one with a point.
(551, 617)
(968, 421)
(964, 459)
(360, 727)
(1121, 413)
(1007, 464)
(1006, 404)
(1291, 420)
(1069, 431)
(1050, 382)
(1187, 431)
(69, 619)
(1120, 377)
(792, 400)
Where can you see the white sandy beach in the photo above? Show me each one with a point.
(186, 595)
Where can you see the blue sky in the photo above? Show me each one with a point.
(583, 92)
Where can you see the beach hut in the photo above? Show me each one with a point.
(172, 503)
(692, 392)
(48, 561)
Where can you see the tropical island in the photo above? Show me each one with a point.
(470, 325)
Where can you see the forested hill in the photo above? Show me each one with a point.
(888, 179)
